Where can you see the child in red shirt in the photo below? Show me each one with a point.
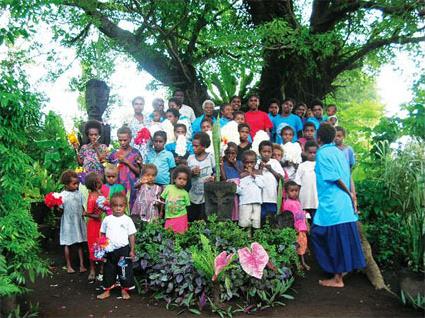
(257, 119)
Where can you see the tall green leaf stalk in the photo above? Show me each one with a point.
(216, 136)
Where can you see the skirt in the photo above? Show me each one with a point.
(338, 247)
(178, 224)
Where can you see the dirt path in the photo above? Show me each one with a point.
(69, 295)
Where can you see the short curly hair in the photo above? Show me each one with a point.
(92, 124)
(67, 176)
(92, 180)
(181, 169)
(203, 138)
(326, 133)
(160, 133)
(147, 167)
(265, 143)
(124, 130)
(118, 195)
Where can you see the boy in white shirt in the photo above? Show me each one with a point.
(272, 171)
(306, 178)
(249, 190)
(120, 230)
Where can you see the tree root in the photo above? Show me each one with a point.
(372, 270)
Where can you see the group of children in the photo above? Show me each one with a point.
(168, 181)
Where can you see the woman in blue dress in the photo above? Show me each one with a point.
(334, 235)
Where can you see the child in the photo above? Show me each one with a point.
(331, 114)
(138, 121)
(244, 134)
(306, 179)
(128, 160)
(120, 230)
(272, 171)
(347, 150)
(173, 116)
(92, 155)
(94, 214)
(174, 147)
(111, 186)
(202, 166)
(72, 227)
(145, 207)
(291, 152)
(226, 111)
(155, 123)
(230, 171)
(161, 158)
(317, 109)
(257, 119)
(249, 190)
(176, 200)
(277, 153)
(206, 125)
(273, 108)
(309, 133)
(239, 117)
(293, 205)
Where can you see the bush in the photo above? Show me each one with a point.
(173, 270)
(19, 117)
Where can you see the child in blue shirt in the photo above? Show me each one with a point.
(273, 108)
(161, 158)
(180, 130)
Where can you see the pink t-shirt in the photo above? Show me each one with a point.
(257, 120)
(294, 206)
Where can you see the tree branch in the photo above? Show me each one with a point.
(326, 14)
(372, 46)
(149, 59)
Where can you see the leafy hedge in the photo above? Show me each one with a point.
(172, 272)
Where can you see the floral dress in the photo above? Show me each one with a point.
(90, 160)
(145, 206)
(126, 177)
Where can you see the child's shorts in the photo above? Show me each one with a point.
(250, 215)
(268, 209)
(302, 243)
(178, 224)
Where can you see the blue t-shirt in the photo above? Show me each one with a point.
(172, 148)
(164, 161)
(315, 121)
(349, 155)
(230, 170)
(279, 122)
(224, 121)
(272, 117)
(196, 125)
(335, 206)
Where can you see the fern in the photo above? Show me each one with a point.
(203, 260)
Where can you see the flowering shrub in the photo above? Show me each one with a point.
(201, 266)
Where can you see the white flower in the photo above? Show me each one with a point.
(56, 195)
(181, 146)
(292, 152)
(260, 136)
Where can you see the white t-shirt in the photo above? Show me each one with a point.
(249, 190)
(306, 178)
(117, 230)
(207, 167)
(269, 192)
(188, 112)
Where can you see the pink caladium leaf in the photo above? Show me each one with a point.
(253, 261)
(220, 263)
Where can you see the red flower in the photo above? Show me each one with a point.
(142, 137)
(53, 199)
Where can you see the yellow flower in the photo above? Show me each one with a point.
(79, 169)
(72, 138)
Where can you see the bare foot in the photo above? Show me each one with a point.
(92, 276)
(70, 270)
(331, 283)
(104, 295)
(83, 269)
(124, 294)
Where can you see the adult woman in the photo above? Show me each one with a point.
(138, 120)
(208, 108)
(334, 235)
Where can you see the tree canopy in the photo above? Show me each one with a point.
(296, 48)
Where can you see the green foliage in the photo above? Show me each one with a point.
(19, 118)
(203, 259)
(178, 268)
(417, 302)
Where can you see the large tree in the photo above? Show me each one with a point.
(180, 42)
